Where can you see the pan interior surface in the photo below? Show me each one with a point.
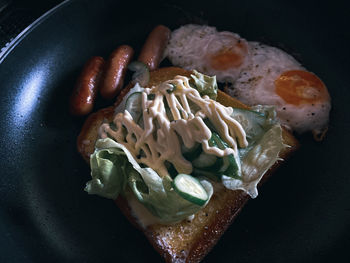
(302, 214)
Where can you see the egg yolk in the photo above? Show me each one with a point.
(229, 57)
(300, 87)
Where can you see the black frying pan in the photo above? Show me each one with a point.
(302, 214)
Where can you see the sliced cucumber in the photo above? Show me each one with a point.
(141, 74)
(251, 121)
(194, 107)
(193, 153)
(134, 105)
(204, 160)
(208, 174)
(215, 140)
(225, 165)
(190, 189)
(140, 121)
(231, 164)
(171, 169)
(216, 166)
(169, 113)
(233, 170)
(171, 89)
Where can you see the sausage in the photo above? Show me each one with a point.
(85, 91)
(153, 49)
(113, 79)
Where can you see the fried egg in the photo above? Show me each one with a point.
(257, 74)
(206, 50)
(273, 77)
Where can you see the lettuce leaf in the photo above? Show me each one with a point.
(205, 85)
(108, 169)
(113, 166)
(257, 161)
(114, 171)
(265, 143)
(121, 105)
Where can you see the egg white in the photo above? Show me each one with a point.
(255, 85)
(191, 45)
(252, 82)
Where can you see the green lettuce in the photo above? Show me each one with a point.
(113, 167)
(205, 85)
(108, 171)
(257, 161)
(114, 171)
(264, 136)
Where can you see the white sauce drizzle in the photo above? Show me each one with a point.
(160, 138)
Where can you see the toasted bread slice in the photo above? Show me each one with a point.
(187, 241)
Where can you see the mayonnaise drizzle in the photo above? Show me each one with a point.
(159, 139)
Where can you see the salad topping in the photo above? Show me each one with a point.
(169, 121)
(168, 145)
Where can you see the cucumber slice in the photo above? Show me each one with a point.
(215, 140)
(168, 113)
(208, 174)
(193, 153)
(204, 160)
(134, 105)
(216, 166)
(141, 74)
(231, 164)
(190, 189)
(171, 169)
(233, 170)
(251, 121)
(225, 165)
(140, 121)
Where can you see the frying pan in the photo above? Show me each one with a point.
(302, 214)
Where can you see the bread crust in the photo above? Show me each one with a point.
(185, 241)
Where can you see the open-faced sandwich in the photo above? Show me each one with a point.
(179, 156)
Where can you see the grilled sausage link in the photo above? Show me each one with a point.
(153, 49)
(113, 79)
(85, 91)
